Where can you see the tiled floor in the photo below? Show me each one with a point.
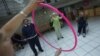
(89, 46)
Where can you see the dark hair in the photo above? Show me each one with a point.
(25, 20)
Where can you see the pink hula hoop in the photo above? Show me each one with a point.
(66, 20)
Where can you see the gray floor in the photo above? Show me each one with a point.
(89, 46)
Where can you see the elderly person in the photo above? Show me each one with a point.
(57, 25)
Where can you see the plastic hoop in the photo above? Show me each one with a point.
(66, 20)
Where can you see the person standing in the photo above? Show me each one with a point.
(31, 36)
(57, 25)
(82, 24)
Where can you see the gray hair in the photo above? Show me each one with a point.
(53, 14)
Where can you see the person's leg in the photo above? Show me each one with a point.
(79, 30)
(32, 46)
(84, 31)
(37, 42)
(57, 31)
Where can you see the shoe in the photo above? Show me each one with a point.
(84, 35)
(41, 50)
(36, 54)
(58, 38)
(78, 34)
(62, 37)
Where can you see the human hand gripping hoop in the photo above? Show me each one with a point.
(66, 20)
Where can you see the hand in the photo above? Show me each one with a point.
(25, 39)
(60, 17)
(58, 52)
(32, 5)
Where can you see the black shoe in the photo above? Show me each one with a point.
(84, 36)
(41, 50)
(36, 54)
(62, 37)
(58, 38)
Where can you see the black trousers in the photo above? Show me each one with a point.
(82, 29)
(33, 42)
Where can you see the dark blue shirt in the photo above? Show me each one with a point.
(82, 21)
(28, 30)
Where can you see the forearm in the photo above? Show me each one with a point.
(12, 25)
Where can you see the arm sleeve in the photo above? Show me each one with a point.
(34, 29)
(23, 32)
(59, 17)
